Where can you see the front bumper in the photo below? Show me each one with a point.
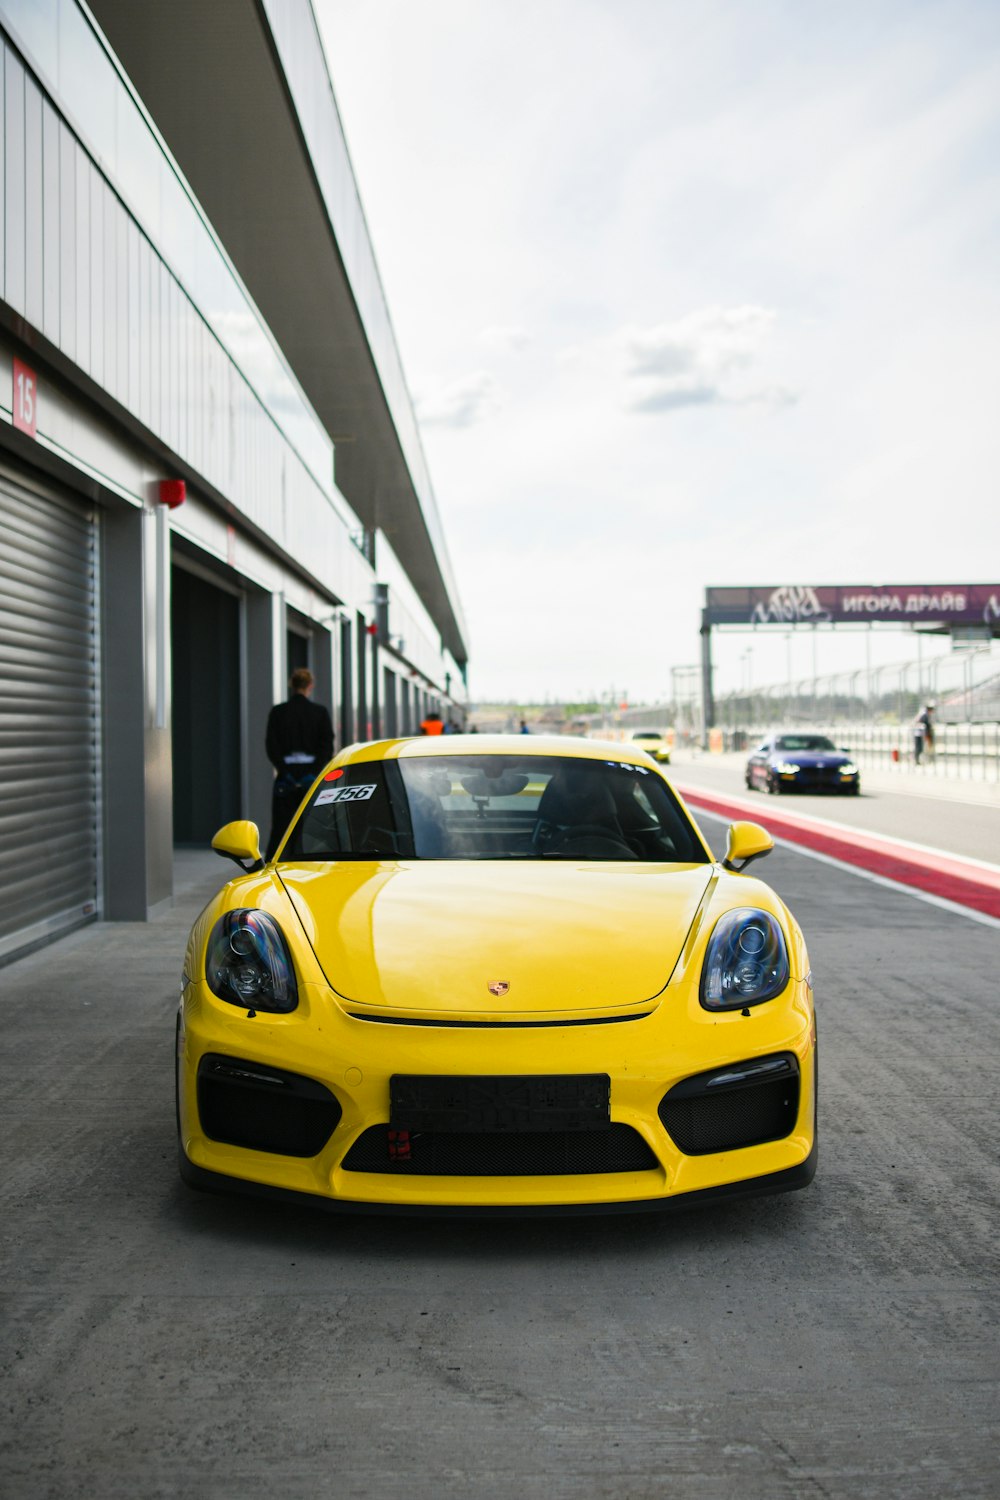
(818, 781)
(787, 1181)
(349, 1062)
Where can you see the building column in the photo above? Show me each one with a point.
(324, 670)
(347, 715)
(361, 718)
(390, 704)
(264, 685)
(375, 710)
(137, 770)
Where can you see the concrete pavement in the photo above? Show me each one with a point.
(840, 1342)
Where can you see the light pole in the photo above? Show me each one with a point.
(746, 685)
(683, 697)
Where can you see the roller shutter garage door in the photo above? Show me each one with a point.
(48, 714)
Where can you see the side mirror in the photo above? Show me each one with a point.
(746, 842)
(240, 841)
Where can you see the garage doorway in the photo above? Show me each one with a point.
(298, 648)
(205, 643)
(50, 718)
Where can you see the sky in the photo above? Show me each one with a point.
(686, 294)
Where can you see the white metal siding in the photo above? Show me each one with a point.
(76, 264)
(48, 714)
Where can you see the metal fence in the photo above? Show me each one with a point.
(968, 752)
(870, 711)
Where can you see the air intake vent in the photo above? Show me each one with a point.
(742, 1105)
(265, 1109)
(538, 1153)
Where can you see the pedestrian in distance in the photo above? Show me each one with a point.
(923, 732)
(299, 743)
(433, 724)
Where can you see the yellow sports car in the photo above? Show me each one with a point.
(654, 742)
(489, 974)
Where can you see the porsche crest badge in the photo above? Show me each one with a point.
(498, 987)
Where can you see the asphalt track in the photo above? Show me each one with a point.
(949, 878)
(962, 817)
(838, 1342)
(938, 836)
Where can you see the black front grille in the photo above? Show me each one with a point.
(265, 1109)
(815, 779)
(486, 1154)
(742, 1105)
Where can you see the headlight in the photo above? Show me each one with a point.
(848, 768)
(248, 963)
(746, 961)
(787, 767)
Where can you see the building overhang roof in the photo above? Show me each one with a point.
(240, 92)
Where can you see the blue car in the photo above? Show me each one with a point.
(801, 762)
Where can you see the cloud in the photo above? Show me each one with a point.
(707, 358)
(671, 398)
(461, 403)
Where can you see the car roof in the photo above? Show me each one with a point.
(569, 746)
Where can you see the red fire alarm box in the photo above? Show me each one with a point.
(172, 492)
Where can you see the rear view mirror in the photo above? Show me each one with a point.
(240, 841)
(510, 784)
(746, 842)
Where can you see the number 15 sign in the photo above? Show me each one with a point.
(25, 399)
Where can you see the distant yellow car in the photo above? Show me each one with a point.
(654, 742)
(496, 974)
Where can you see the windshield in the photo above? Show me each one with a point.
(648, 734)
(804, 742)
(494, 807)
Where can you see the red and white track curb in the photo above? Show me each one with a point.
(945, 879)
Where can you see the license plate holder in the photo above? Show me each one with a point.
(503, 1104)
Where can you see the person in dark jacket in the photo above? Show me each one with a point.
(299, 742)
(923, 732)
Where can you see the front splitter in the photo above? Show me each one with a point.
(788, 1180)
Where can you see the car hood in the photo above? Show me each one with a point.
(431, 936)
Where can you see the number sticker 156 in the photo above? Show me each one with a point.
(344, 794)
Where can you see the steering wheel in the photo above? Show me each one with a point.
(542, 835)
(645, 837)
(586, 832)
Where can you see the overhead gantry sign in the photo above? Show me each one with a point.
(967, 611)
